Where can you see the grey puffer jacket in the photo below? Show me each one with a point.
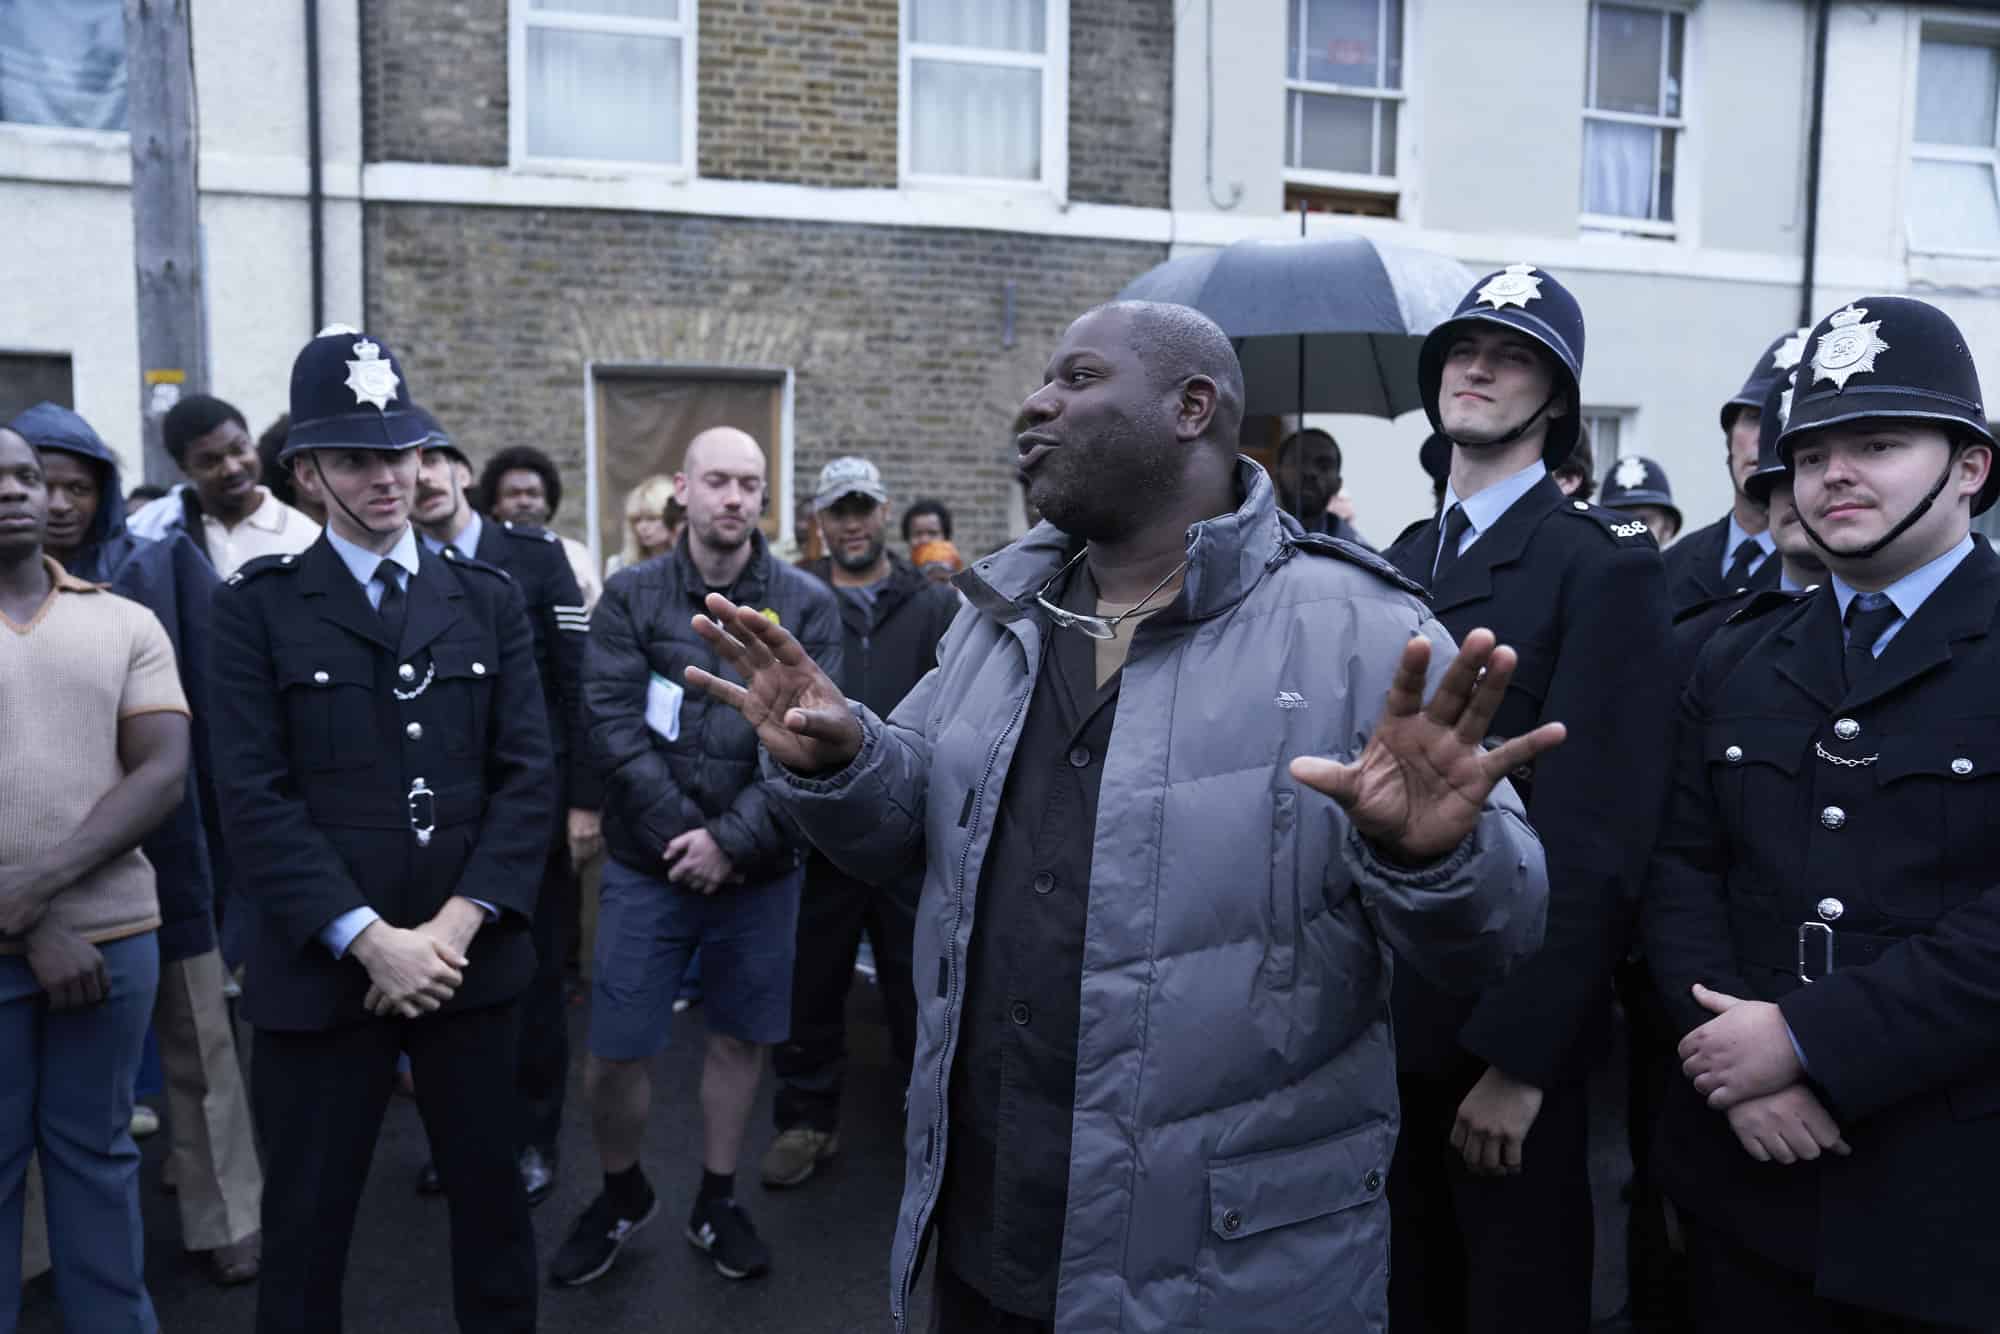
(1236, 1079)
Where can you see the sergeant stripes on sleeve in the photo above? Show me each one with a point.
(573, 618)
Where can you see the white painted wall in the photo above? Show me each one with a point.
(68, 266)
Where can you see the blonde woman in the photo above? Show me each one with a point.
(653, 520)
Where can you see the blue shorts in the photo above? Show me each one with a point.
(647, 929)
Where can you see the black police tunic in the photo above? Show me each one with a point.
(352, 772)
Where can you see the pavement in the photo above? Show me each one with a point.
(829, 1237)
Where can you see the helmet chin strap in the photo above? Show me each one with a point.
(327, 487)
(1517, 432)
(1922, 508)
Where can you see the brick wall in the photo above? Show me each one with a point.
(894, 333)
(1121, 88)
(802, 91)
(434, 81)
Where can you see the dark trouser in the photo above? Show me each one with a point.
(958, 1308)
(319, 1099)
(1479, 1254)
(1656, 1275)
(1736, 1291)
(543, 1073)
(833, 911)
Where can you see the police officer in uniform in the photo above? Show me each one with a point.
(1735, 551)
(1639, 487)
(446, 517)
(382, 763)
(1823, 909)
(1493, 1225)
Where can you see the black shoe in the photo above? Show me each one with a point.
(721, 1228)
(538, 1174)
(597, 1238)
(429, 1182)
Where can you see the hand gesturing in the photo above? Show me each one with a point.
(1418, 787)
(799, 713)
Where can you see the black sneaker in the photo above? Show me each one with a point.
(597, 1238)
(723, 1230)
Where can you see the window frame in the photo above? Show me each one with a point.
(521, 17)
(1054, 66)
(1668, 10)
(1963, 30)
(1589, 415)
(1367, 183)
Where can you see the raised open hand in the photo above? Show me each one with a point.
(799, 713)
(1417, 789)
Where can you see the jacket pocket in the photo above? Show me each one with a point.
(1937, 792)
(1753, 765)
(466, 672)
(1282, 888)
(1299, 1238)
(329, 700)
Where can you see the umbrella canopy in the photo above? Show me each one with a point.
(1328, 325)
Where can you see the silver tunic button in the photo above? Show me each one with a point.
(479, 669)
(415, 731)
(407, 672)
(1961, 766)
(1833, 817)
(285, 560)
(1581, 504)
(1831, 909)
(320, 678)
(1847, 729)
(1734, 754)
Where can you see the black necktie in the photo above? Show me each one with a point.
(394, 607)
(1868, 615)
(1738, 574)
(1455, 524)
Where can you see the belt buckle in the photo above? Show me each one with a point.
(1805, 929)
(423, 812)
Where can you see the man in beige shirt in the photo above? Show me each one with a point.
(226, 511)
(97, 730)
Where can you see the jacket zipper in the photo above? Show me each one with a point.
(923, 1213)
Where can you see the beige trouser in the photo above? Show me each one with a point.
(214, 1156)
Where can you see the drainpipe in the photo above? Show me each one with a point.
(315, 195)
(1807, 314)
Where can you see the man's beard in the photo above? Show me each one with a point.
(862, 563)
(716, 541)
(1102, 490)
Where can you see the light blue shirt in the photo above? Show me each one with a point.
(1909, 592)
(466, 540)
(1788, 584)
(1737, 537)
(1483, 509)
(339, 934)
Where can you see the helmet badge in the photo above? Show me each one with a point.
(1789, 352)
(1631, 473)
(372, 379)
(1515, 285)
(1847, 348)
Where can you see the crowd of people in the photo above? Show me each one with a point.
(1250, 910)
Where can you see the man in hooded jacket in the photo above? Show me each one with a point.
(214, 1161)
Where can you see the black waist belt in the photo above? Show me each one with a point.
(463, 803)
(1807, 949)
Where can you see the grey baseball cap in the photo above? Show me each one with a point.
(849, 476)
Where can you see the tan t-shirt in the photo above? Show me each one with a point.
(87, 660)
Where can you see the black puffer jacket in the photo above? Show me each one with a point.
(886, 649)
(707, 777)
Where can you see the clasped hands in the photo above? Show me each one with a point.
(1744, 1063)
(412, 971)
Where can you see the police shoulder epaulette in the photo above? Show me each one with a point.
(1627, 530)
(459, 561)
(1765, 600)
(1320, 544)
(262, 565)
(1414, 529)
(527, 532)
(1696, 610)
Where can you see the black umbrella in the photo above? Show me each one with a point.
(1329, 325)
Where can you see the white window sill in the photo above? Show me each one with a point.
(1602, 227)
(592, 169)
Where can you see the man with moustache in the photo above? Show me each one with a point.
(1491, 1190)
(1822, 914)
(699, 856)
(1153, 1085)
(445, 517)
(1735, 551)
(382, 759)
(891, 618)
